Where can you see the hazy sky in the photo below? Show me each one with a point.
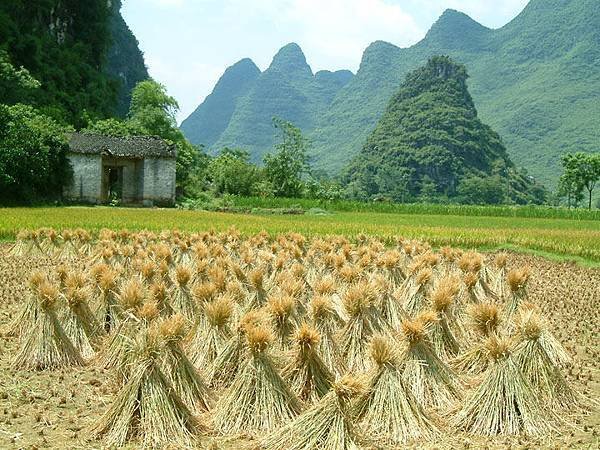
(189, 43)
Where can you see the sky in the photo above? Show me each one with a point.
(188, 44)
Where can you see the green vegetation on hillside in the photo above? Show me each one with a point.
(210, 119)
(287, 89)
(536, 81)
(430, 144)
(65, 46)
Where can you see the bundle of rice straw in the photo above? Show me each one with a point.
(485, 320)
(364, 320)
(388, 412)
(68, 250)
(425, 374)
(179, 370)
(532, 358)
(306, 373)
(110, 311)
(159, 293)
(147, 410)
(391, 308)
(227, 363)
(326, 321)
(391, 263)
(131, 298)
(28, 315)
(498, 277)
(416, 291)
(23, 244)
(504, 402)
(208, 341)
(258, 400)
(517, 282)
(281, 309)
(327, 425)
(147, 272)
(44, 345)
(182, 299)
(443, 333)
(80, 323)
(258, 296)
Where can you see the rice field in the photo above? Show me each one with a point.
(570, 238)
(183, 339)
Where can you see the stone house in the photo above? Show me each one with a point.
(131, 170)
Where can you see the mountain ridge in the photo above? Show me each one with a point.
(535, 80)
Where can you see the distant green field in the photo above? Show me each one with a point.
(570, 238)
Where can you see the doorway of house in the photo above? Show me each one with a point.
(114, 184)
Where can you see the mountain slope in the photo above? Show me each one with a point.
(83, 54)
(430, 141)
(125, 60)
(536, 81)
(210, 119)
(287, 89)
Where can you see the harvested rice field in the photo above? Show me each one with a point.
(219, 340)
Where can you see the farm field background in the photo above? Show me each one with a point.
(576, 238)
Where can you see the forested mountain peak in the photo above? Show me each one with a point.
(430, 143)
(456, 29)
(290, 58)
(210, 119)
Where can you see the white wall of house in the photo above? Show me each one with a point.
(158, 181)
(87, 178)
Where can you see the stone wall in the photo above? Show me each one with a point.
(87, 178)
(159, 181)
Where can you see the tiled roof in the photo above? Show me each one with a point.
(130, 147)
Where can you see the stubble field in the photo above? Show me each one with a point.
(278, 285)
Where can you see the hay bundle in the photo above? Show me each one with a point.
(258, 296)
(227, 363)
(532, 358)
(281, 309)
(182, 299)
(179, 370)
(147, 409)
(110, 311)
(306, 373)
(326, 321)
(417, 291)
(391, 308)
(517, 282)
(431, 381)
(388, 412)
(28, 314)
(45, 345)
(80, 323)
(258, 400)
(119, 340)
(364, 320)
(444, 331)
(504, 402)
(485, 321)
(159, 293)
(327, 425)
(209, 341)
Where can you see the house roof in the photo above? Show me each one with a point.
(128, 147)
